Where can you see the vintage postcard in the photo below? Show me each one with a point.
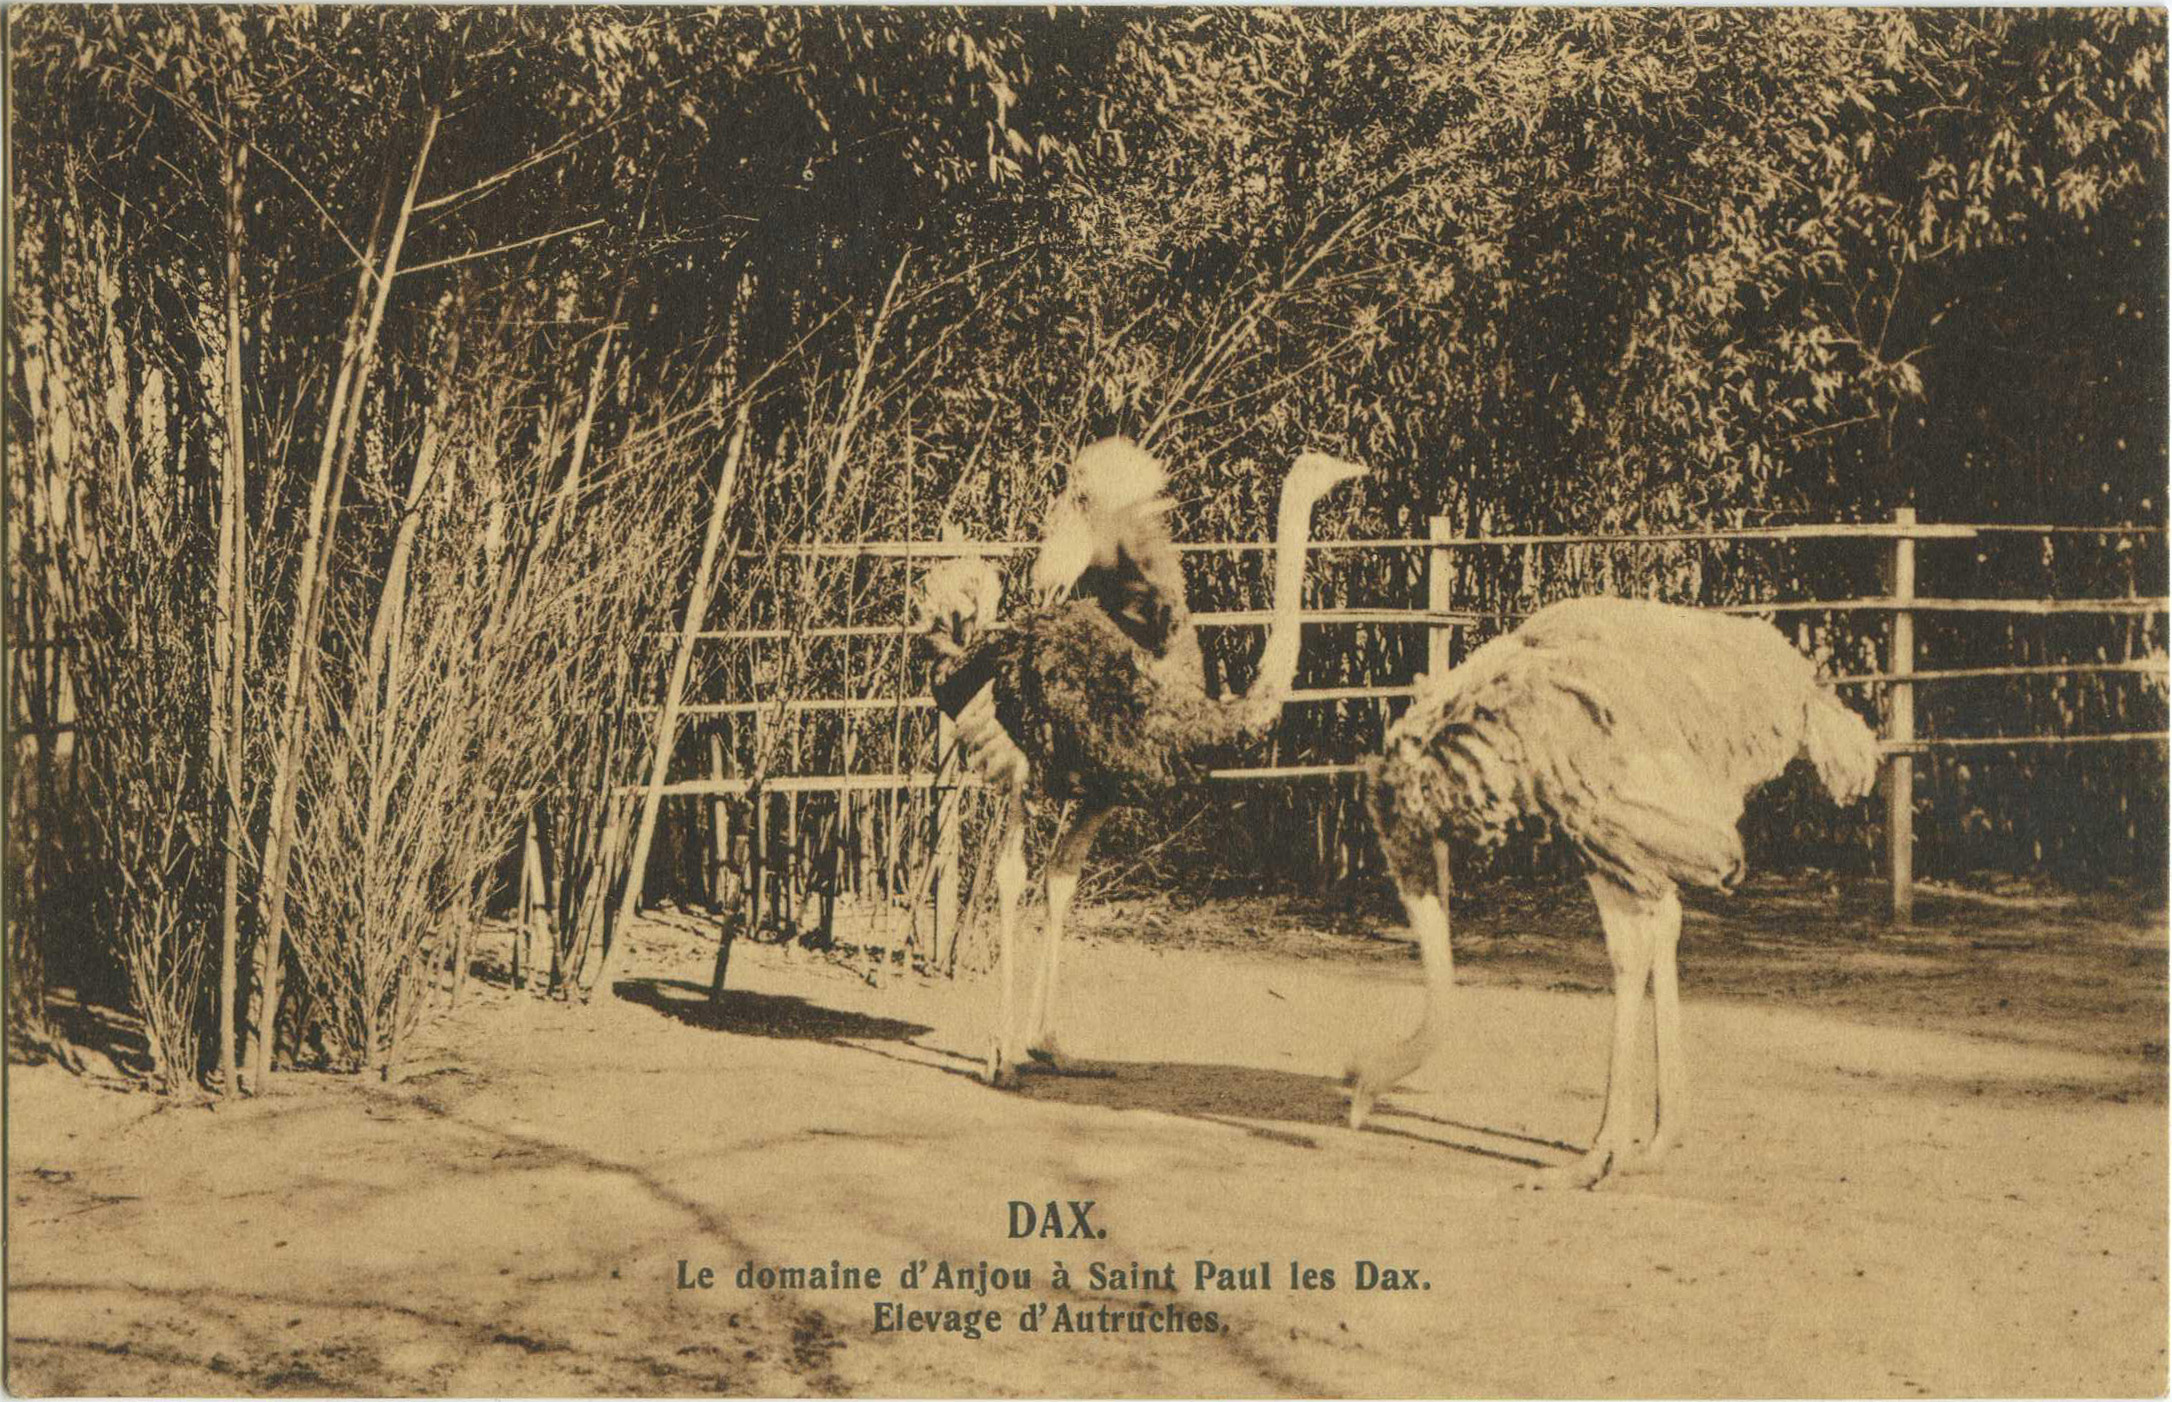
(1180, 702)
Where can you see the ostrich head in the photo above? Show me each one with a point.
(956, 599)
(1313, 476)
(1115, 485)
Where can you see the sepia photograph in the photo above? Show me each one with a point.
(863, 701)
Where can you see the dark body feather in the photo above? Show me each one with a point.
(1143, 594)
(1104, 718)
(1105, 692)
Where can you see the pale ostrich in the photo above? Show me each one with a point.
(1635, 730)
(1098, 696)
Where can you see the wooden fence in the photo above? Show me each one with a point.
(1897, 680)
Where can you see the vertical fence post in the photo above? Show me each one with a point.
(535, 906)
(949, 804)
(726, 877)
(1437, 563)
(758, 849)
(1437, 600)
(720, 875)
(1901, 726)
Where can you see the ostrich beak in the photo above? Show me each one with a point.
(1329, 472)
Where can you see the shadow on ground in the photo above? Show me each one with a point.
(1240, 1097)
(753, 1014)
(90, 1026)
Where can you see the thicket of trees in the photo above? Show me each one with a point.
(370, 370)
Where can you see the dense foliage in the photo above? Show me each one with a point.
(369, 368)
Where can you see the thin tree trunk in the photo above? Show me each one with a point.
(392, 597)
(561, 501)
(226, 717)
(531, 902)
(569, 486)
(463, 925)
(375, 714)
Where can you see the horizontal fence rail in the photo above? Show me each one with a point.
(1866, 530)
(1254, 618)
(1897, 680)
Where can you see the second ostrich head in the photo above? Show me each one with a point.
(957, 599)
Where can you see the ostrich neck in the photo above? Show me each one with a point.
(1278, 664)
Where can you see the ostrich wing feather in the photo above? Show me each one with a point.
(1636, 729)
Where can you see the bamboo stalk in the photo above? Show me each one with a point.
(463, 933)
(392, 594)
(945, 863)
(569, 485)
(524, 905)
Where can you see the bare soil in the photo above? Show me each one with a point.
(1922, 1161)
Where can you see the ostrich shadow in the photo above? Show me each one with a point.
(1265, 1103)
(1261, 1101)
(751, 1014)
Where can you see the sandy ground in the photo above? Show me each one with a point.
(1922, 1162)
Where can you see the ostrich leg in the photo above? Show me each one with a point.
(1422, 882)
(1064, 866)
(1673, 1087)
(1010, 874)
(1632, 924)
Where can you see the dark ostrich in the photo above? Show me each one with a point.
(1098, 696)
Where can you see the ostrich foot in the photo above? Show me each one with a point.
(1001, 1068)
(1048, 1053)
(1601, 1159)
(1361, 1105)
(1374, 1073)
(1648, 1157)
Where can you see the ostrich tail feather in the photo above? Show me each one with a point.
(1842, 748)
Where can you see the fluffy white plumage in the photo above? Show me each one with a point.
(1115, 473)
(1636, 729)
(955, 600)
